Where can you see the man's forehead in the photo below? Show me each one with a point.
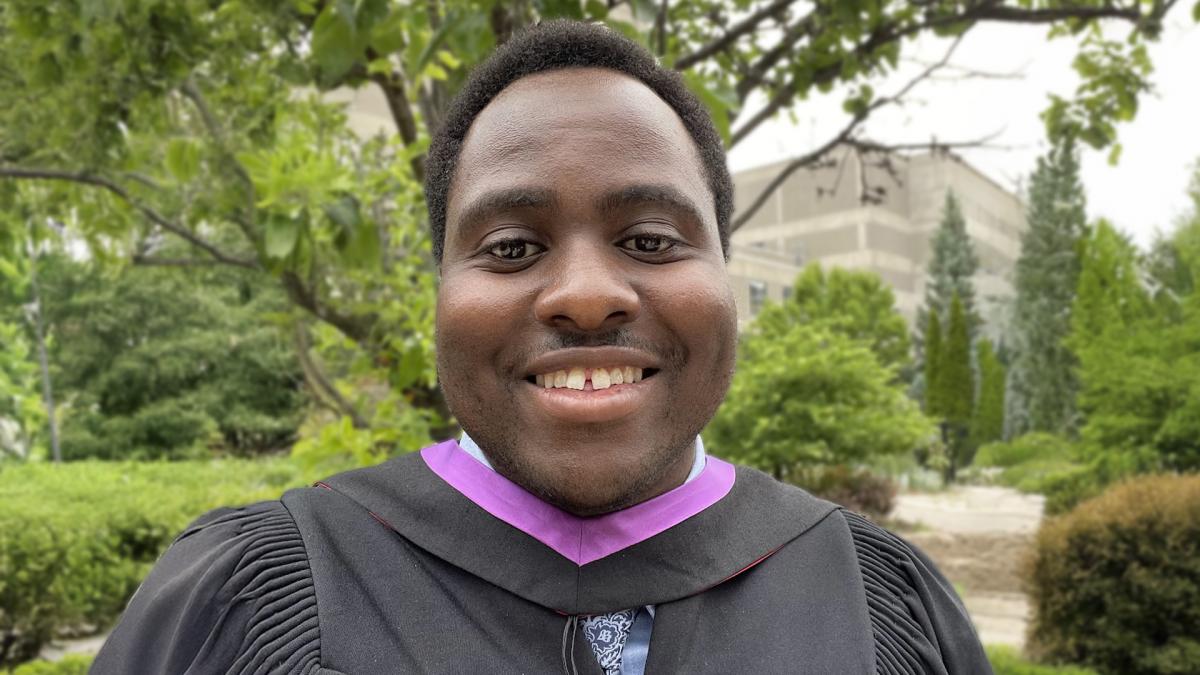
(584, 100)
(592, 119)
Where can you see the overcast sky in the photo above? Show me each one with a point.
(1144, 193)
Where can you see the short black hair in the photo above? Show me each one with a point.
(554, 45)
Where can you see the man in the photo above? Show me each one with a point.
(579, 204)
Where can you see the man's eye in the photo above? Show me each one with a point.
(515, 249)
(648, 243)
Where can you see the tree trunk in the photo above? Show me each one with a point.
(39, 329)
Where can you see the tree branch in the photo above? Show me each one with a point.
(149, 261)
(844, 136)
(660, 26)
(149, 213)
(757, 73)
(741, 28)
(192, 93)
(792, 167)
(321, 384)
(988, 10)
(396, 95)
(357, 328)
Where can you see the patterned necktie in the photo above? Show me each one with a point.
(607, 633)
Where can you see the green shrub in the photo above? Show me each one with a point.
(1026, 449)
(1115, 583)
(77, 538)
(856, 489)
(73, 664)
(1008, 661)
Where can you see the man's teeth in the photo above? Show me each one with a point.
(601, 378)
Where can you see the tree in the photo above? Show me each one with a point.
(1047, 275)
(202, 122)
(933, 366)
(1139, 360)
(1110, 297)
(24, 328)
(853, 303)
(987, 424)
(812, 397)
(956, 389)
(155, 365)
(952, 268)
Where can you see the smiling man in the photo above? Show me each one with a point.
(579, 204)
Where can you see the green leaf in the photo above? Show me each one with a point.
(281, 236)
(387, 36)
(449, 60)
(436, 72)
(717, 104)
(334, 45)
(1196, 12)
(596, 9)
(1114, 154)
(344, 212)
(9, 271)
(560, 9)
(383, 66)
(183, 159)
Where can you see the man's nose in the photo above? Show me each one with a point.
(587, 291)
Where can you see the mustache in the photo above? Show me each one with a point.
(669, 354)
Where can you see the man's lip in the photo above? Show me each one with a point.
(589, 357)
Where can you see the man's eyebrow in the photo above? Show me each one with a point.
(664, 195)
(507, 199)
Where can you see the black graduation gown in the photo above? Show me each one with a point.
(391, 570)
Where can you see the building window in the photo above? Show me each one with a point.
(758, 295)
(787, 293)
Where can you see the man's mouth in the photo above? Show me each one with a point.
(589, 379)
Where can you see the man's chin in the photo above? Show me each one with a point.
(592, 490)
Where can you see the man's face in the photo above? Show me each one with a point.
(581, 245)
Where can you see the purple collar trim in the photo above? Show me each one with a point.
(580, 540)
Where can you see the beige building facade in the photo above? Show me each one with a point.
(818, 215)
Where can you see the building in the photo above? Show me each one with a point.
(818, 215)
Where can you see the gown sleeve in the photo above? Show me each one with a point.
(233, 594)
(920, 624)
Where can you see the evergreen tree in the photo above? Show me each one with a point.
(1046, 279)
(956, 388)
(956, 380)
(987, 425)
(933, 364)
(952, 268)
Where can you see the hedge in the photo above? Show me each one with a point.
(76, 539)
(1007, 661)
(1115, 583)
(73, 664)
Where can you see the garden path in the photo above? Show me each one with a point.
(979, 537)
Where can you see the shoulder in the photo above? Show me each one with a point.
(234, 592)
(920, 624)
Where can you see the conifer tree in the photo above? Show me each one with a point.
(987, 425)
(933, 364)
(1047, 274)
(951, 269)
(956, 388)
